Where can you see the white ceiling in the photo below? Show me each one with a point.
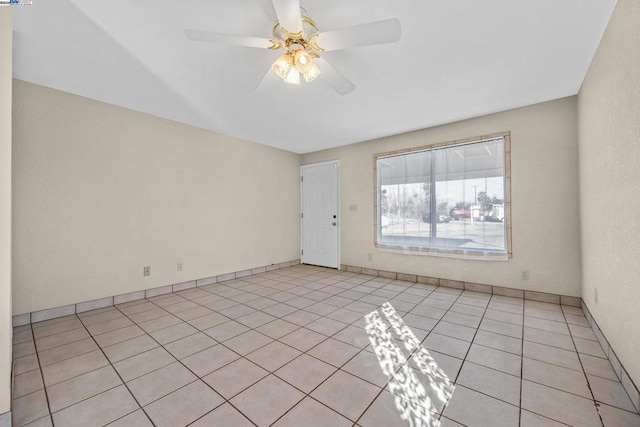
(456, 59)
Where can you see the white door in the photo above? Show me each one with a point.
(320, 209)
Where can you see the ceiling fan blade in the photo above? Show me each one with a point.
(267, 83)
(333, 77)
(229, 39)
(380, 32)
(288, 12)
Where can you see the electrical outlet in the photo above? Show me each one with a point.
(370, 257)
(525, 275)
(146, 271)
(353, 208)
(179, 265)
(595, 295)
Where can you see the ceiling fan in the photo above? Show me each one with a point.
(298, 35)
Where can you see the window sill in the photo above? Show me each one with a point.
(468, 254)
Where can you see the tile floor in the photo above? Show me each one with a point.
(308, 346)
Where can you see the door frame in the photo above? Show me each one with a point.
(339, 213)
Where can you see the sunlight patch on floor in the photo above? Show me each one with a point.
(394, 343)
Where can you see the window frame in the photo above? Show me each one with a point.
(449, 253)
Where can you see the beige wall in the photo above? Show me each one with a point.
(101, 191)
(609, 118)
(6, 36)
(545, 200)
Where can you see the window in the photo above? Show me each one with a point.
(446, 199)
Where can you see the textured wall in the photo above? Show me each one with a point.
(6, 26)
(101, 191)
(609, 129)
(544, 200)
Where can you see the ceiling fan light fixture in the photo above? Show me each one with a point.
(312, 73)
(302, 61)
(283, 65)
(292, 64)
(292, 77)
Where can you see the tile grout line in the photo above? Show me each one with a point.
(595, 402)
(198, 378)
(121, 379)
(593, 324)
(455, 382)
(553, 364)
(58, 346)
(44, 385)
(560, 366)
(521, 367)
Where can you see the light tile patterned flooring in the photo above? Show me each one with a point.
(292, 348)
